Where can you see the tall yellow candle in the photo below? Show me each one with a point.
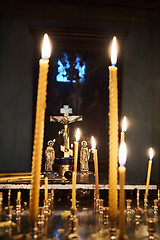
(113, 135)
(149, 171)
(95, 159)
(39, 130)
(122, 172)
(74, 174)
(76, 150)
(46, 189)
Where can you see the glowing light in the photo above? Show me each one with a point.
(124, 125)
(77, 135)
(46, 49)
(122, 154)
(93, 143)
(114, 52)
(151, 153)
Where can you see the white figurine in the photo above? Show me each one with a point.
(50, 156)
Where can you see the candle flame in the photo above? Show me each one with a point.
(124, 125)
(93, 143)
(46, 49)
(151, 153)
(77, 135)
(122, 154)
(114, 52)
(59, 132)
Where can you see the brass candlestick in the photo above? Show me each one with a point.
(1, 201)
(40, 220)
(151, 228)
(145, 203)
(9, 197)
(138, 194)
(73, 223)
(138, 216)
(18, 222)
(9, 213)
(113, 231)
(155, 207)
(128, 201)
(18, 208)
(46, 210)
(106, 216)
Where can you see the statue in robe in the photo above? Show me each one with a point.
(50, 156)
(84, 157)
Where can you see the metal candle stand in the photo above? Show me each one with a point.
(151, 228)
(40, 221)
(1, 201)
(128, 201)
(113, 231)
(18, 208)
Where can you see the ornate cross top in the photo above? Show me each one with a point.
(66, 110)
(65, 120)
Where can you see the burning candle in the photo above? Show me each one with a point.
(113, 134)
(46, 189)
(74, 173)
(76, 150)
(95, 159)
(122, 171)
(124, 128)
(39, 130)
(19, 195)
(149, 171)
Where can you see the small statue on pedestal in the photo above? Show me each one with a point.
(84, 157)
(50, 156)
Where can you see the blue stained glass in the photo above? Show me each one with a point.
(67, 70)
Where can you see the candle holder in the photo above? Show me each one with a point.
(49, 202)
(128, 201)
(138, 216)
(113, 231)
(151, 228)
(96, 197)
(18, 207)
(145, 203)
(100, 205)
(34, 231)
(138, 194)
(73, 223)
(106, 216)
(155, 207)
(9, 213)
(40, 221)
(9, 197)
(1, 200)
(46, 209)
(18, 223)
(158, 194)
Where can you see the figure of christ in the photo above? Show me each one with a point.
(66, 120)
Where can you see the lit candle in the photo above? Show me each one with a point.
(124, 128)
(122, 171)
(95, 159)
(149, 171)
(113, 135)
(39, 130)
(74, 173)
(19, 195)
(74, 190)
(46, 189)
(76, 150)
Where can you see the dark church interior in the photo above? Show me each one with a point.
(40, 201)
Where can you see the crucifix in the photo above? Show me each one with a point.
(66, 120)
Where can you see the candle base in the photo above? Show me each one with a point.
(113, 231)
